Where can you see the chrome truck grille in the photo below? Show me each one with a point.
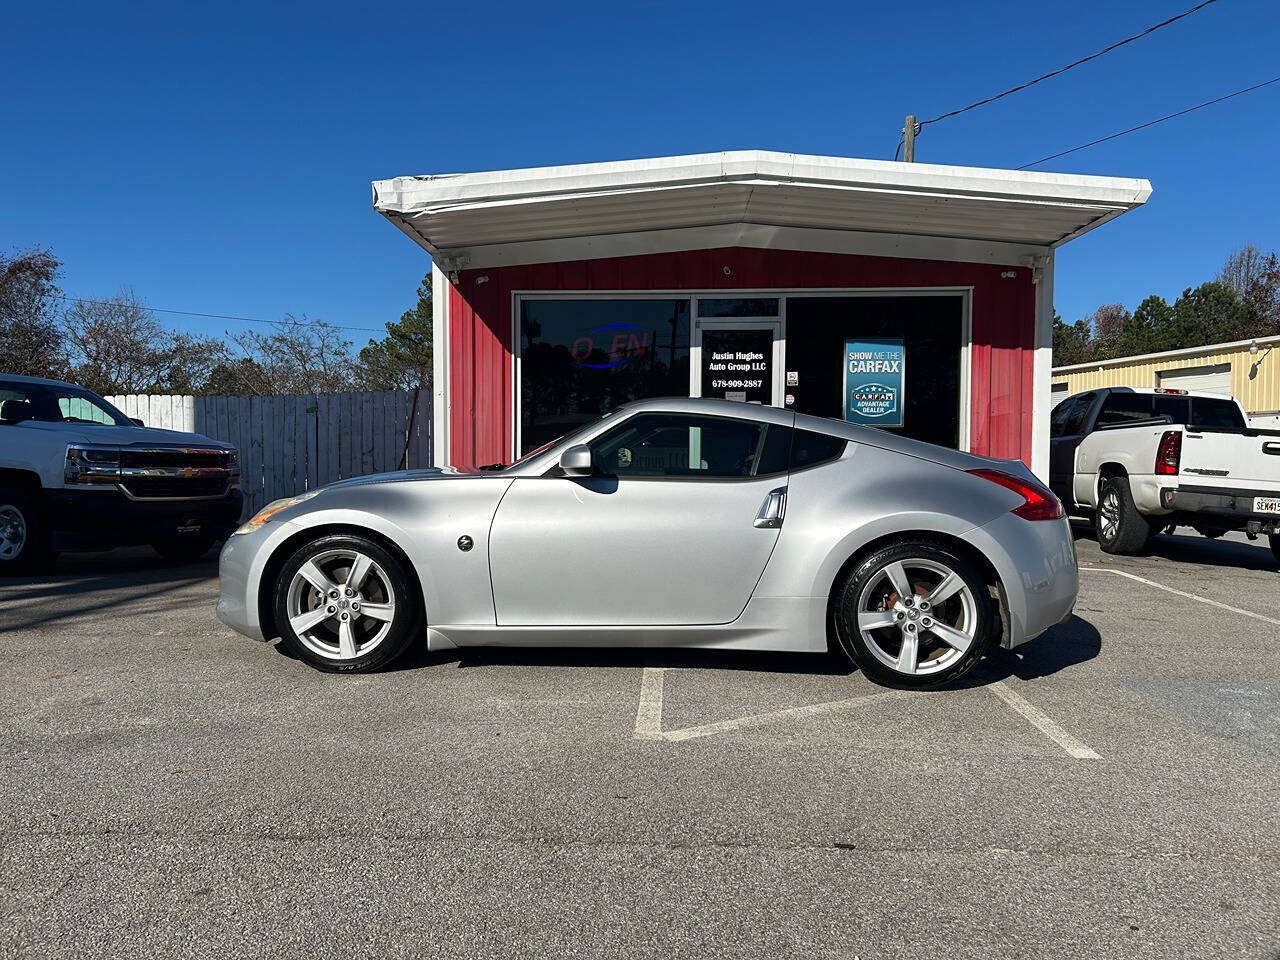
(155, 473)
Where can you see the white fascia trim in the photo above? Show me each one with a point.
(419, 193)
(1041, 369)
(440, 290)
(755, 235)
(1166, 354)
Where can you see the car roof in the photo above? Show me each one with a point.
(46, 381)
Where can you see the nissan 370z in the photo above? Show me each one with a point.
(680, 523)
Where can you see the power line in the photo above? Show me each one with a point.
(1150, 123)
(1075, 63)
(222, 316)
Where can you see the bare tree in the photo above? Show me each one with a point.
(299, 356)
(1254, 276)
(118, 346)
(30, 340)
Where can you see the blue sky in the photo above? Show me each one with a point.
(217, 157)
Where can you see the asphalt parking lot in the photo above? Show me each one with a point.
(1113, 789)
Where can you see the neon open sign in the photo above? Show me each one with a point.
(625, 342)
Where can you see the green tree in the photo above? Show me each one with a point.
(1209, 313)
(1072, 342)
(30, 338)
(402, 358)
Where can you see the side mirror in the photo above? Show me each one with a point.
(576, 461)
(137, 422)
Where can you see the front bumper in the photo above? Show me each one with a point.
(103, 519)
(240, 567)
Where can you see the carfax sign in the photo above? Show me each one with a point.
(873, 378)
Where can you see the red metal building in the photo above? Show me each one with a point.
(562, 291)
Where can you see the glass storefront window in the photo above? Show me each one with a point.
(582, 358)
(738, 307)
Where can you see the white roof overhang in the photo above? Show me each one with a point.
(749, 198)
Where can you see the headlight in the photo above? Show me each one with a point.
(271, 509)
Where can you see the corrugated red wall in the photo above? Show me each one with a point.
(480, 368)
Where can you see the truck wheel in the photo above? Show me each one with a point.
(1275, 546)
(1120, 527)
(183, 551)
(23, 544)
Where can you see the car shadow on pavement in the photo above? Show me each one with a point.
(1193, 548)
(1060, 648)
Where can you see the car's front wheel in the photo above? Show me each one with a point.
(343, 604)
(915, 615)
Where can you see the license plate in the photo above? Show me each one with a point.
(1266, 504)
(195, 527)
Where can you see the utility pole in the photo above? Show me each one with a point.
(909, 139)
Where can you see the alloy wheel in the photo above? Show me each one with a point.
(341, 604)
(13, 531)
(917, 616)
(1109, 515)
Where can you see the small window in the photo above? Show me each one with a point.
(1215, 412)
(684, 445)
(1067, 419)
(1120, 408)
(809, 448)
(739, 307)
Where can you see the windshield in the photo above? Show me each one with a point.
(583, 430)
(55, 403)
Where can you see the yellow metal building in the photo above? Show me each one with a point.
(1246, 369)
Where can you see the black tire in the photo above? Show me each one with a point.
(1130, 530)
(402, 627)
(185, 550)
(24, 542)
(867, 582)
(1275, 546)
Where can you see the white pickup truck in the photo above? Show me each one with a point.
(1143, 460)
(77, 474)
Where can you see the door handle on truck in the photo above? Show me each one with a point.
(1272, 448)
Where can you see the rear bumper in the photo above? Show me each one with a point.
(1232, 509)
(1036, 563)
(104, 519)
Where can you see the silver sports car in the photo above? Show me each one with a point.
(679, 522)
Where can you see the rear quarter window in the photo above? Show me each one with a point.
(809, 448)
(1216, 412)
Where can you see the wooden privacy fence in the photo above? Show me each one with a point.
(291, 444)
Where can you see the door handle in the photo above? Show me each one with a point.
(772, 510)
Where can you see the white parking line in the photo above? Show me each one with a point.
(1042, 722)
(1182, 593)
(649, 712)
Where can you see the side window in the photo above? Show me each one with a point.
(1058, 419)
(15, 404)
(809, 448)
(1120, 408)
(686, 445)
(1075, 418)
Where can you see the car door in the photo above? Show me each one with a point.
(1066, 430)
(675, 526)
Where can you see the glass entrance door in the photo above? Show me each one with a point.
(736, 359)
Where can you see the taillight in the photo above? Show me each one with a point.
(1038, 502)
(1169, 453)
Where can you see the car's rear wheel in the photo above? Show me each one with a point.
(915, 615)
(23, 544)
(343, 604)
(1119, 525)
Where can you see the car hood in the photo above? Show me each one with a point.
(399, 476)
(130, 436)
